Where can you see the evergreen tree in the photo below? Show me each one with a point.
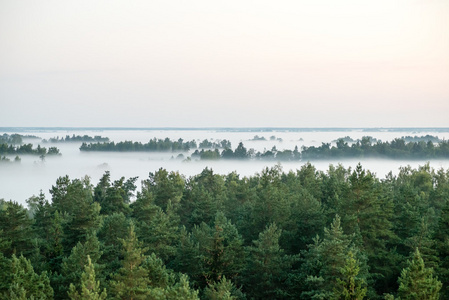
(156, 229)
(441, 239)
(181, 291)
(114, 228)
(325, 263)
(74, 200)
(209, 253)
(26, 284)
(90, 288)
(364, 207)
(417, 281)
(15, 226)
(164, 283)
(73, 266)
(131, 281)
(166, 187)
(350, 287)
(220, 290)
(267, 272)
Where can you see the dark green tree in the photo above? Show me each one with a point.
(325, 262)
(74, 200)
(267, 273)
(16, 229)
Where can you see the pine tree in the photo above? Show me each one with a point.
(417, 281)
(220, 290)
(366, 208)
(74, 201)
(114, 228)
(26, 284)
(16, 229)
(181, 290)
(441, 239)
(166, 187)
(267, 271)
(73, 266)
(90, 288)
(131, 281)
(350, 286)
(156, 229)
(325, 263)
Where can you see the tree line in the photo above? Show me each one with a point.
(8, 149)
(156, 145)
(77, 138)
(399, 148)
(304, 234)
(396, 149)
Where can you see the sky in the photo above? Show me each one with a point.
(314, 63)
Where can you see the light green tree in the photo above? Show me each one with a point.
(417, 281)
(90, 288)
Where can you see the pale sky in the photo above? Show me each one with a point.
(316, 63)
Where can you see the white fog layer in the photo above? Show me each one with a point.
(19, 181)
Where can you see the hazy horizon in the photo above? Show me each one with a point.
(307, 63)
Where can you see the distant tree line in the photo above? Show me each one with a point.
(399, 148)
(6, 149)
(4, 159)
(77, 138)
(15, 138)
(153, 145)
(206, 144)
(305, 234)
(396, 149)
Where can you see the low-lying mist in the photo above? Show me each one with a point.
(19, 181)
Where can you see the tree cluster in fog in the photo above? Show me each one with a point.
(6, 149)
(340, 234)
(367, 147)
(77, 138)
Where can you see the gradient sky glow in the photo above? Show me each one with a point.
(316, 63)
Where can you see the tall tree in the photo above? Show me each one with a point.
(74, 200)
(267, 273)
(131, 281)
(73, 266)
(16, 229)
(90, 288)
(417, 281)
(325, 263)
(350, 287)
(365, 208)
(26, 284)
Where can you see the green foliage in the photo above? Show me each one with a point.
(417, 281)
(90, 288)
(325, 267)
(26, 284)
(267, 272)
(152, 146)
(16, 229)
(73, 266)
(131, 281)
(233, 237)
(220, 290)
(350, 287)
(74, 200)
(211, 252)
